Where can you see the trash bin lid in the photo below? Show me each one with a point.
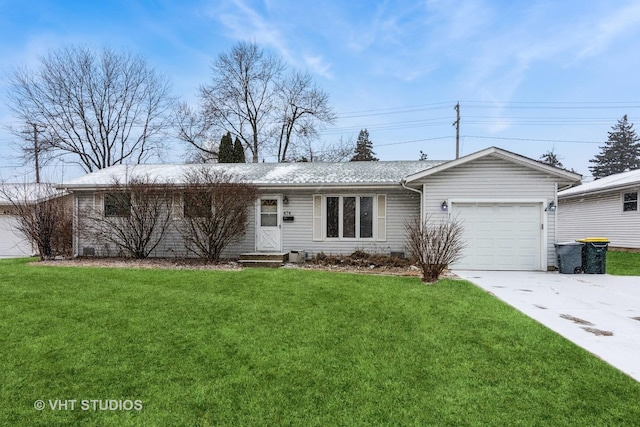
(575, 243)
(594, 240)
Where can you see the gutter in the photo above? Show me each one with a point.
(403, 183)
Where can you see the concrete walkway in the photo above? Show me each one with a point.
(598, 312)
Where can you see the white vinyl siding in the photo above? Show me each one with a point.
(599, 215)
(172, 245)
(491, 179)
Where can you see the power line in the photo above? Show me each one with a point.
(532, 139)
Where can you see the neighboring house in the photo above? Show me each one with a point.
(337, 208)
(14, 243)
(607, 207)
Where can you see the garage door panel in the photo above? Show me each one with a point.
(12, 242)
(500, 236)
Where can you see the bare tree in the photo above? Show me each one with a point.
(135, 216)
(196, 130)
(241, 97)
(44, 217)
(215, 212)
(339, 151)
(99, 109)
(434, 246)
(303, 108)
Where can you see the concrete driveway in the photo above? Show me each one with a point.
(598, 312)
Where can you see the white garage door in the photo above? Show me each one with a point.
(500, 236)
(12, 243)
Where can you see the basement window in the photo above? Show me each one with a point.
(630, 202)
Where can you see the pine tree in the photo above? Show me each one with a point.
(364, 148)
(551, 158)
(225, 152)
(620, 153)
(238, 152)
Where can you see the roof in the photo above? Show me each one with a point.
(563, 175)
(27, 193)
(610, 183)
(266, 174)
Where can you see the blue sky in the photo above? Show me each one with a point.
(530, 76)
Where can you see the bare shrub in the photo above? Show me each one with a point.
(360, 259)
(134, 216)
(216, 212)
(44, 217)
(434, 246)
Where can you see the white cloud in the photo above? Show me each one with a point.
(610, 27)
(318, 65)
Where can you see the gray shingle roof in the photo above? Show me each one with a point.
(266, 174)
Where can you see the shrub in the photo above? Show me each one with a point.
(434, 246)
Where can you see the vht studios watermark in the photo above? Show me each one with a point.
(88, 405)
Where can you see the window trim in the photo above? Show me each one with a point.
(374, 219)
(636, 201)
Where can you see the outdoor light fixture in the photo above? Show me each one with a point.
(444, 206)
(285, 200)
(552, 206)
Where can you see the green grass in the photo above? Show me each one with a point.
(287, 347)
(623, 263)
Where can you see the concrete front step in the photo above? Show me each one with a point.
(263, 259)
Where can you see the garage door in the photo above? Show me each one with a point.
(12, 243)
(500, 236)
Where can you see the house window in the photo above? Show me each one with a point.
(630, 202)
(117, 204)
(269, 213)
(349, 217)
(197, 204)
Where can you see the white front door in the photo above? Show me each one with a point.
(268, 227)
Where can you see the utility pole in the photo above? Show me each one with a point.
(457, 125)
(36, 152)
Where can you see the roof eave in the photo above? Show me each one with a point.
(627, 186)
(567, 176)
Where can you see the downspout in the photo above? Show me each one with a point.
(74, 224)
(403, 183)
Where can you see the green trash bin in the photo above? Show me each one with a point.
(569, 256)
(594, 255)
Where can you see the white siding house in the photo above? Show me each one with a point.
(337, 208)
(607, 207)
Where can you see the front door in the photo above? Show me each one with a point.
(269, 230)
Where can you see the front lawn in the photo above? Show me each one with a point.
(286, 347)
(623, 263)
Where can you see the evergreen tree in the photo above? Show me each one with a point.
(238, 152)
(225, 152)
(620, 153)
(364, 148)
(551, 158)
